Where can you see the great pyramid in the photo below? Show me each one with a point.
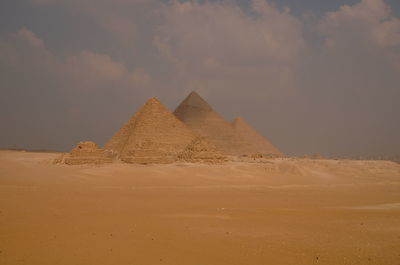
(196, 113)
(259, 143)
(152, 135)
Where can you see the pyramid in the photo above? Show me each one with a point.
(259, 143)
(199, 150)
(197, 114)
(152, 135)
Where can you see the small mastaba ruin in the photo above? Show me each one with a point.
(86, 153)
(193, 133)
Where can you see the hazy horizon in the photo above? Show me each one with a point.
(312, 77)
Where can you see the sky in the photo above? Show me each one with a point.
(314, 77)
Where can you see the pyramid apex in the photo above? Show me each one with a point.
(153, 100)
(151, 103)
(194, 100)
(237, 120)
(194, 93)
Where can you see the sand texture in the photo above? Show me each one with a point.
(277, 211)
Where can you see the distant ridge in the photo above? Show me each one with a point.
(259, 143)
(196, 113)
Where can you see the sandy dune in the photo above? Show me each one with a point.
(278, 212)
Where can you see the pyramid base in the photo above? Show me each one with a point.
(148, 160)
(86, 153)
(86, 160)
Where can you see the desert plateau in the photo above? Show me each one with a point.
(272, 211)
(199, 132)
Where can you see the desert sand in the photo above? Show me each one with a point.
(276, 211)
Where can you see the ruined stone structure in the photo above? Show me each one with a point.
(87, 153)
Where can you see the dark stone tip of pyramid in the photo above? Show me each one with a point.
(196, 101)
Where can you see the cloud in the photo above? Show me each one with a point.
(369, 20)
(120, 18)
(368, 24)
(66, 92)
(363, 38)
(217, 44)
(89, 68)
(348, 83)
(92, 3)
(94, 69)
(30, 37)
(329, 88)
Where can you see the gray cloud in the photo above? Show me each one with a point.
(221, 43)
(329, 87)
(351, 81)
(58, 99)
(120, 17)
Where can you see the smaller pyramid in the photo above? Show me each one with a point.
(200, 151)
(260, 145)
